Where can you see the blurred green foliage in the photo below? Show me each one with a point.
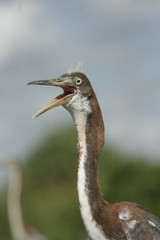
(49, 197)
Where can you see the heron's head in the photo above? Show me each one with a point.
(76, 89)
(9, 163)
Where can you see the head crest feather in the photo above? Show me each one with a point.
(79, 67)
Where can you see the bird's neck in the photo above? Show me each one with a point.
(90, 141)
(14, 205)
(90, 129)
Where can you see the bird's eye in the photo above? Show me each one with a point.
(78, 81)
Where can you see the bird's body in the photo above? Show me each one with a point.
(18, 230)
(103, 221)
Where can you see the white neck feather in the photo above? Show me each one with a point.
(80, 108)
(93, 229)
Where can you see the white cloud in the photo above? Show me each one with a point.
(26, 28)
(9, 25)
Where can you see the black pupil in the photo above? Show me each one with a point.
(78, 81)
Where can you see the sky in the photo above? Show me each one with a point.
(119, 43)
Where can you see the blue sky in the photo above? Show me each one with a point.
(119, 42)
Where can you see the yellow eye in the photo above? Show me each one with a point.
(78, 81)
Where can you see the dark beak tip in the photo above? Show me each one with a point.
(29, 83)
(38, 82)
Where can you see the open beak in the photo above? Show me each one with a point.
(65, 84)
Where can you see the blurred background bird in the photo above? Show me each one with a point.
(18, 228)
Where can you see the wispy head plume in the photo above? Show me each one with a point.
(79, 67)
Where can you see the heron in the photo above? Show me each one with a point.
(18, 230)
(102, 220)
